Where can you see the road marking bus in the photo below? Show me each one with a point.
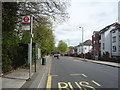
(96, 83)
(81, 85)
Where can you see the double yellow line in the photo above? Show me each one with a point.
(48, 86)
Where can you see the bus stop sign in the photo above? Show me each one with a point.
(26, 20)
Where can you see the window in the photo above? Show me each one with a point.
(114, 48)
(119, 37)
(114, 39)
(99, 41)
(113, 31)
(119, 48)
(103, 46)
(96, 42)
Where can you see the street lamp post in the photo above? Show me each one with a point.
(82, 42)
(82, 38)
(68, 41)
(68, 47)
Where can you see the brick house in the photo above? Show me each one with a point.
(96, 44)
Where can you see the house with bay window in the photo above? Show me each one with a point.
(115, 41)
(84, 47)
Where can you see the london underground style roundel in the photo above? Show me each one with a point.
(26, 19)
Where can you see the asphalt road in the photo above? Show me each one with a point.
(72, 73)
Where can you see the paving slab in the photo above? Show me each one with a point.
(15, 79)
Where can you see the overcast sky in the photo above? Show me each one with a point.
(92, 15)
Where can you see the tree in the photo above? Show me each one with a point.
(62, 46)
(45, 38)
(71, 47)
(9, 38)
(51, 10)
(44, 14)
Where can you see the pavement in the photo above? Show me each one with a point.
(39, 79)
(15, 79)
(113, 64)
(19, 78)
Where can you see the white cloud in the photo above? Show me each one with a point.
(93, 16)
(95, 0)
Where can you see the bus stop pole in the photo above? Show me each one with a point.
(35, 57)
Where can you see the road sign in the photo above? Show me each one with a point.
(25, 27)
(26, 20)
